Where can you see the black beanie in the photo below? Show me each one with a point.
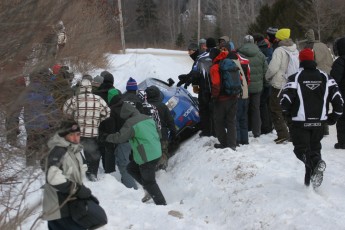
(107, 77)
(211, 43)
(67, 127)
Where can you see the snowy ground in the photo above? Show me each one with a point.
(259, 186)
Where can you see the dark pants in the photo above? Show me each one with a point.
(63, 224)
(341, 129)
(225, 114)
(265, 114)
(307, 144)
(145, 175)
(205, 113)
(242, 121)
(254, 113)
(277, 115)
(92, 154)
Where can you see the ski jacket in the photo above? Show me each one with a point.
(306, 95)
(279, 64)
(338, 73)
(202, 76)
(258, 66)
(142, 133)
(65, 169)
(87, 109)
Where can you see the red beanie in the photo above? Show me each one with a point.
(306, 55)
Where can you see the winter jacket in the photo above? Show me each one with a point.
(279, 64)
(202, 76)
(40, 111)
(65, 170)
(338, 67)
(322, 54)
(306, 96)
(141, 131)
(265, 47)
(258, 66)
(166, 120)
(87, 109)
(338, 73)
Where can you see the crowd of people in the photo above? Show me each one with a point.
(281, 88)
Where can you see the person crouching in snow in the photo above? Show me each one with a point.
(305, 99)
(143, 136)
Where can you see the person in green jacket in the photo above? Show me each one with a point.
(143, 136)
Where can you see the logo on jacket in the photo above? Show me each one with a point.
(312, 86)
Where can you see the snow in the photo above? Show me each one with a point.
(259, 186)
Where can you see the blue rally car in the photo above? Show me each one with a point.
(182, 105)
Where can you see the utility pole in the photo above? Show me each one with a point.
(198, 21)
(121, 28)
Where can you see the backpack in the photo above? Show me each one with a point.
(245, 67)
(293, 65)
(230, 78)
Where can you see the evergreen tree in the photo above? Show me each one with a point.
(180, 41)
(147, 19)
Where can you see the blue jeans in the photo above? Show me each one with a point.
(242, 121)
(122, 153)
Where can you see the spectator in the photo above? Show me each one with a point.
(305, 100)
(258, 68)
(202, 86)
(88, 110)
(186, 79)
(338, 73)
(275, 75)
(154, 97)
(141, 132)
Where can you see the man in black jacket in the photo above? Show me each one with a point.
(305, 102)
(338, 73)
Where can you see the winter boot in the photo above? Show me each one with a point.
(317, 175)
(146, 197)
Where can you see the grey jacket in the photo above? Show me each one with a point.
(65, 171)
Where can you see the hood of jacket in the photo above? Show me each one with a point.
(249, 49)
(127, 111)
(56, 140)
(287, 42)
(153, 94)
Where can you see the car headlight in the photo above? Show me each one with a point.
(172, 102)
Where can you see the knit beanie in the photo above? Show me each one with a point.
(283, 34)
(271, 30)
(107, 77)
(202, 41)
(306, 55)
(131, 85)
(98, 80)
(67, 127)
(210, 43)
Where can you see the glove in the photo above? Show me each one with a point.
(331, 120)
(196, 89)
(83, 192)
(182, 79)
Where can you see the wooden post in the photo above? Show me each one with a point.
(121, 28)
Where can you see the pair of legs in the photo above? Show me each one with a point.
(92, 156)
(307, 148)
(145, 175)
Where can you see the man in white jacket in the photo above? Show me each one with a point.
(276, 76)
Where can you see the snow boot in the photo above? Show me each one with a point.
(317, 176)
